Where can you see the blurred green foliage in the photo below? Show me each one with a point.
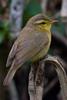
(4, 24)
(31, 9)
(4, 30)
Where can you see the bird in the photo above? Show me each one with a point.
(32, 44)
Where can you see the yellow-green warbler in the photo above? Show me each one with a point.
(32, 44)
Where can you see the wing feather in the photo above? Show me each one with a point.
(12, 54)
(28, 48)
(24, 49)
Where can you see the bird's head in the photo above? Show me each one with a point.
(41, 22)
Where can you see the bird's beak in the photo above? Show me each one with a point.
(54, 21)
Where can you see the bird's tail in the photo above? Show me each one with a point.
(10, 74)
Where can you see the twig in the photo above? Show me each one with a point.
(61, 74)
(39, 81)
(31, 85)
(35, 86)
(36, 80)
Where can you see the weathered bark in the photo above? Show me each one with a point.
(61, 74)
(36, 81)
(35, 86)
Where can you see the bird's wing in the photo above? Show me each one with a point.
(30, 46)
(11, 54)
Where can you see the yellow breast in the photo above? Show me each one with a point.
(44, 50)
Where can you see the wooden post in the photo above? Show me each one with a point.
(35, 86)
(36, 82)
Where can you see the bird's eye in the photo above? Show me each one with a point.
(43, 23)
